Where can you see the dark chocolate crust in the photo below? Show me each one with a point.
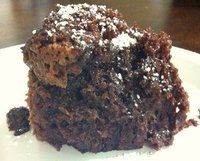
(107, 96)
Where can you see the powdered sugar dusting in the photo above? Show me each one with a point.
(136, 33)
(50, 32)
(34, 32)
(66, 12)
(155, 77)
(123, 41)
(119, 76)
(75, 21)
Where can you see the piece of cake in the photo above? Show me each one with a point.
(98, 85)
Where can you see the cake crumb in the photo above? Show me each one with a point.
(17, 120)
(191, 122)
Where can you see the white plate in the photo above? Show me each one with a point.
(13, 87)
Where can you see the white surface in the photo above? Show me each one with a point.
(13, 87)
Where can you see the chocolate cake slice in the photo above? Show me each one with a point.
(98, 85)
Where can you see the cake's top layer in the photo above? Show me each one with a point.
(76, 37)
(88, 26)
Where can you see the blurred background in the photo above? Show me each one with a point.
(179, 18)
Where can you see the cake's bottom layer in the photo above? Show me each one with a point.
(57, 121)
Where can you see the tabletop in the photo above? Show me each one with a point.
(179, 18)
